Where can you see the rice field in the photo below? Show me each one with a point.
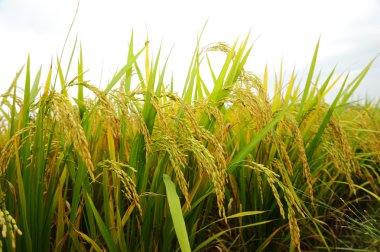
(138, 167)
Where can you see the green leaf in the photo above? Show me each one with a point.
(355, 83)
(35, 88)
(176, 213)
(122, 72)
(308, 82)
(215, 236)
(102, 227)
(80, 99)
(313, 145)
(247, 149)
(128, 73)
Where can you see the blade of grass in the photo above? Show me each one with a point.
(355, 83)
(312, 147)
(308, 82)
(35, 87)
(242, 154)
(102, 227)
(128, 73)
(80, 97)
(176, 214)
(122, 71)
(215, 236)
(23, 202)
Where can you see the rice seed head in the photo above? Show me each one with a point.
(212, 112)
(188, 136)
(271, 183)
(365, 118)
(337, 145)
(167, 143)
(129, 186)
(255, 106)
(291, 124)
(106, 108)
(294, 229)
(8, 151)
(166, 139)
(211, 160)
(217, 47)
(271, 178)
(217, 168)
(128, 103)
(260, 185)
(72, 129)
(285, 157)
(7, 222)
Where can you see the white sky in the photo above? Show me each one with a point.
(350, 34)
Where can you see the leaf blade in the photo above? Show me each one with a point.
(176, 214)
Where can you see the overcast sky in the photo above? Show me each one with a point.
(288, 30)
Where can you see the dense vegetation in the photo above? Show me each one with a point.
(137, 167)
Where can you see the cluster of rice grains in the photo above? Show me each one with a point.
(69, 123)
(8, 224)
(252, 111)
(182, 136)
(129, 186)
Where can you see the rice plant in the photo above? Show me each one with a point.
(138, 167)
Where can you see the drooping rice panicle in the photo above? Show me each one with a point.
(72, 129)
